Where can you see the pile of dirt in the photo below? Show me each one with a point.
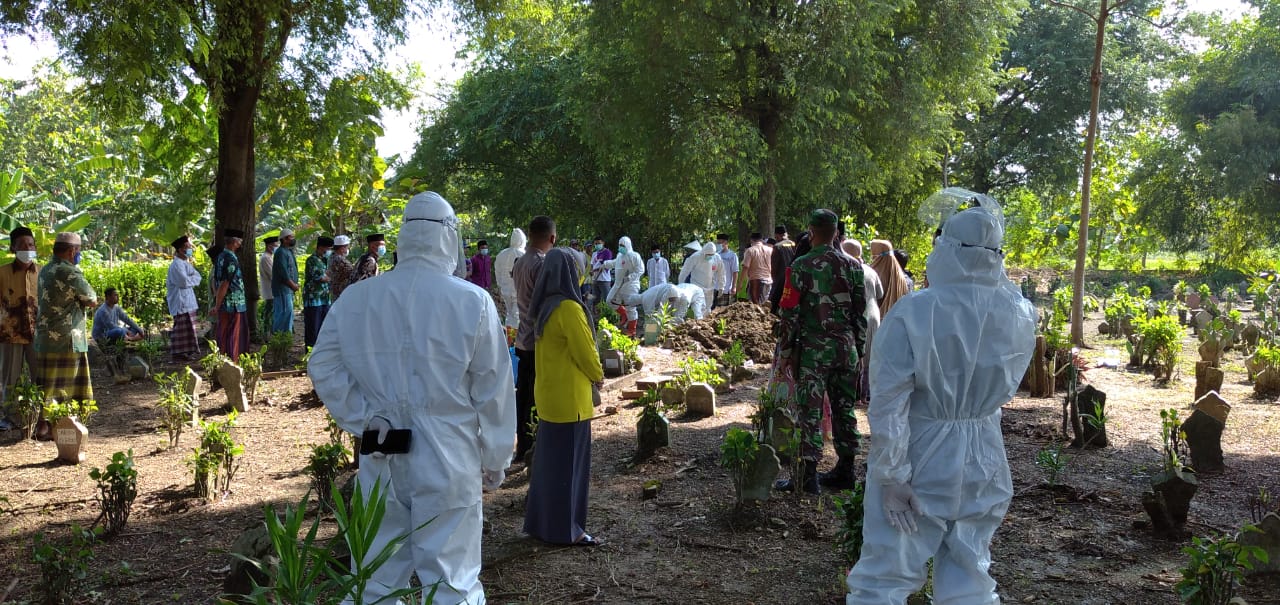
(752, 324)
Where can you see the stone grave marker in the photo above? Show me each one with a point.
(191, 384)
(759, 480)
(231, 377)
(700, 399)
(1268, 539)
(1204, 437)
(138, 368)
(70, 437)
(612, 362)
(1208, 378)
(1214, 405)
(1201, 319)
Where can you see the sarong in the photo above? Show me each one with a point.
(232, 334)
(182, 339)
(65, 376)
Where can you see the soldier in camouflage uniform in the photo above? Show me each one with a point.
(823, 331)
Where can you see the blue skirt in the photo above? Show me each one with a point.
(556, 508)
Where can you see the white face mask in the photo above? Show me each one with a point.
(26, 256)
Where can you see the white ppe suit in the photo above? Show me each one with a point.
(434, 362)
(703, 269)
(681, 297)
(944, 362)
(502, 265)
(628, 268)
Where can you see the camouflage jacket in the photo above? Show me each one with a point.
(60, 324)
(822, 309)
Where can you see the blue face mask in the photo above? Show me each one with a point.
(382, 250)
(484, 251)
(189, 252)
(328, 253)
(657, 255)
(76, 260)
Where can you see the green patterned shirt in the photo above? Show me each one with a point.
(226, 269)
(315, 290)
(62, 293)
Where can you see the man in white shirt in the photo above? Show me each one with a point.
(269, 246)
(657, 267)
(180, 294)
(727, 286)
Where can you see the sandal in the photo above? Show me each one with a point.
(588, 541)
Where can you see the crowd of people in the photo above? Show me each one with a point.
(429, 385)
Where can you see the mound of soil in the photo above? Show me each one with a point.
(752, 324)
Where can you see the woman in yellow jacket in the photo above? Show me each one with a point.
(568, 365)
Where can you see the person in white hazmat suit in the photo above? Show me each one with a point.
(628, 268)
(502, 266)
(944, 362)
(434, 361)
(681, 297)
(703, 269)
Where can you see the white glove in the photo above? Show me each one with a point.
(900, 506)
(492, 480)
(383, 426)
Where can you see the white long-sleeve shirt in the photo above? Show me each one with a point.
(180, 286)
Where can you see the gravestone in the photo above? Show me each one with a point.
(1104, 327)
(138, 368)
(651, 332)
(1268, 539)
(1208, 378)
(652, 432)
(1201, 319)
(652, 382)
(612, 362)
(1267, 382)
(231, 377)
(1091, 402)
(1214, 405)
(70, 436)
(191, 384)
(1250, 334)
(1211, 351)
(700, 399)
(758, 483)
(1204, 437)
(255, 544)
(1193, 300)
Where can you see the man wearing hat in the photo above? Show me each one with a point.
(180, 294)
(315, 290)
(269, 246)
(340, 269)
(232, 333)
(62, 345)
(18, 321)
(784, 251)
(284, 282)
(367, 266)
(822, 333)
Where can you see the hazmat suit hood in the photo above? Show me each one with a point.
(518, 240)
(708, 248)
(693, 246)
(624, 243)
(429, 235)
(968, 251)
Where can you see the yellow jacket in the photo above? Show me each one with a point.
(566, 363)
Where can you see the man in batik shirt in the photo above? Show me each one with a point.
(62, 343)
(315, 290)
(232, 333)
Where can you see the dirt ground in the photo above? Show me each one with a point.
(685, 546)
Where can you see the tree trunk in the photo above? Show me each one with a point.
(766, 203)
(1091, 135)
(233, 197)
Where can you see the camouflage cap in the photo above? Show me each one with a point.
(823, 218)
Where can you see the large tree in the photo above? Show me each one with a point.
(745, 106)
(138, 54)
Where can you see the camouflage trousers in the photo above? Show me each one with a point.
(840, 385)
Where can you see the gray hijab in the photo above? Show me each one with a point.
(557, 282)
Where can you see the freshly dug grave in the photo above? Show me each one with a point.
(750, 323)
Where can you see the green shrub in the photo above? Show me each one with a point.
(611, 337)
(251, 363)
(734, 357)
(325, 464)
(737, 454)
(1162, 339)
(24, 402)
(278, 347)
(55, 410)
(848, 505)
(1215, 568)
(1052, 463)
(175, 406)
(701, 370)
(141, 287)
(214, 461)
(64, 566)
(117, 488)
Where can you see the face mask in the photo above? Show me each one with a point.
(657, 255)
(76, 260)
(382, 250)
(26, 256)
(328, 253)
(598, 247)
(724, 247)
(484, 252)
(189, 252)
(710, 256)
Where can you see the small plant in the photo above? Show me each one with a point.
(175, 406)
(308, 572)
(613, 338)
(848, 505)
(1180, 290)
(1052, 463)
(734, 357)
(117, 488)
(737, 455)
(326, 463)
(722, 326)
(1216, 568)
(214, 462)
(700, 370)
(1162, 341)
(25, 403)
(151, 350)
(664, 317)
(55, 410)
(301, 366)
(278, 346)
(64, 566)
(606, 312)
(251, 363)
(1174, 442)
(211, 362)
